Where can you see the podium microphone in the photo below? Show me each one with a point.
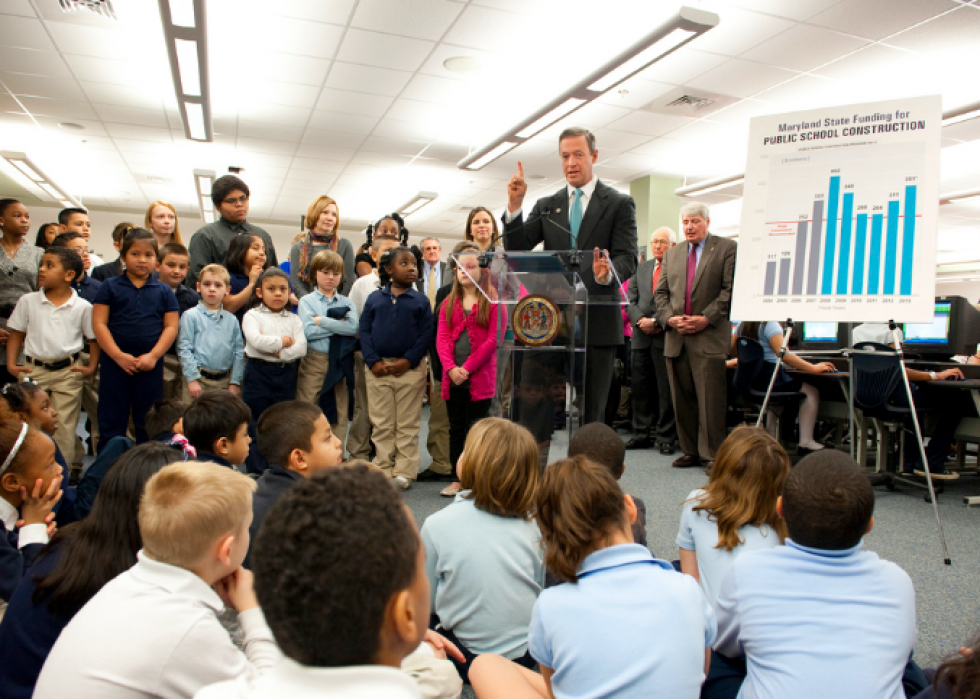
(574, 257)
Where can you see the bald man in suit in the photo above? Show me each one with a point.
(693, 299)
(593, 217)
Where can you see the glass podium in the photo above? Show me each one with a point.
(541, 337)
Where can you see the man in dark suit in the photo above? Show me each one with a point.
(653, 408)
(693, 299)
(584, 215)
(433, 277)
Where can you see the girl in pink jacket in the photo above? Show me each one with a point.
(466, 341)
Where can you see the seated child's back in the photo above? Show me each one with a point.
(819, 617)
(736, 511)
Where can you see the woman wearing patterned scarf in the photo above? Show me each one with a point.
(322, 225)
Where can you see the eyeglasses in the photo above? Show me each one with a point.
(232, 201)
(659, 243)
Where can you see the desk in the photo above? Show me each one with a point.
(969, 428)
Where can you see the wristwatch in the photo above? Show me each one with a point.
(932, 375)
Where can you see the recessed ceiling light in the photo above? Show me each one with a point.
(71, 126)
(463, 64)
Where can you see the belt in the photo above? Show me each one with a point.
(55, 366)
(275, 363)
(214, 375)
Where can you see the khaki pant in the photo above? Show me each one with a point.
(64, 387)
(437, 441)
(312, 370)
(90, 404)
(206, 385)
(173, 377)
(359, 437)
(395, 406)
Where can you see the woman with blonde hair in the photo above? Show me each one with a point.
(736, 511)
(161, 221)
(322, 233)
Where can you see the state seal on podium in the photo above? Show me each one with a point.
(535, 321)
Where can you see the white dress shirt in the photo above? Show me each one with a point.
(295, 681)
(264, 330)
(153, 631)
(26, 535)
(53, 332)
(364, 287)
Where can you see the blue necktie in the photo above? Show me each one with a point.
(575, 217)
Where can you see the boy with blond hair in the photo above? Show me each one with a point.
(154, 630)
(330, 325)
(209, 343)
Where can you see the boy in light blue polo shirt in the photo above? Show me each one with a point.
(210, 344)
(819, 617)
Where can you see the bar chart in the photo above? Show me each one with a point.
(840, 224)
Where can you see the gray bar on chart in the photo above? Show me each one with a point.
(770, 285)
(784, 276)
(800, 258)
(815, 236)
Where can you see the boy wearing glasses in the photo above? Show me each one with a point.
(209, 245)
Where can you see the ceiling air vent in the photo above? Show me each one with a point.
(692, 102)
(99, 7)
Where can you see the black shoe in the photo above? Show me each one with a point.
(666, 448)
(687, 461)
(622, 425)
(429, 476)
(639, 442)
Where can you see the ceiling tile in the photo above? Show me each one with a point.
(412, 130)
(282, 93)
(429, 88)
(739, 30)
(318, 137)
(267, 146)
(648, 123)
(383, 50)
(25, 33)
(376, 81)
(419, 112)
(397, 146)
(274, 132)
(353, 102)
(421, 19)
(610, 141)
(798, 9)
(876, 19)
(31, 62)
(804, 48)
(139, 133)
(17, 7)
(434, 64)
(335, 11)
(280, 66)
(41, 86)
(738, 78)
(681, 66)
(274, 114)
(128, 115)
(334, 153)
(298, 36)
(314, 165)
(347, 123)
(116, 72)
(68, 109)
(142, 97)
(635, 93)
(488, 30)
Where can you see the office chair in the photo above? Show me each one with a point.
(751, 360)
(876, 377)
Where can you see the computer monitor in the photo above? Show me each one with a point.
(820, 335)
(954, 329)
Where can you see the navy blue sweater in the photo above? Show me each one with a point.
(396, 326)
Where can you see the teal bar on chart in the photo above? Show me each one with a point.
(891, 247)
(830, 242)
(860, 246)
(874, 263)
(908, 241)
(845, 243)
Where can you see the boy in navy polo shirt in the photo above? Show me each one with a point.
(135, 321)
(85, 285)
(216, 425)
(396, 330)
(819, 617)
(174, 261)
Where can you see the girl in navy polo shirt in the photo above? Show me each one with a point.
(135, 320)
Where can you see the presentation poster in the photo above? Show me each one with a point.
(840, 214)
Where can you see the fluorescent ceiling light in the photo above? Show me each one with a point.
(185, 31)
(190, 73)
(707, 186)
(961, 114)
(27, 170)
(37, 180)
(641, 60)
(182, 13)
(566, 107)
(417, 202)
(959, 196)
(688, 24)
(203, 179)
(194, 115)
(492, 155)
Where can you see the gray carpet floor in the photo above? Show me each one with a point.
(905, 531)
